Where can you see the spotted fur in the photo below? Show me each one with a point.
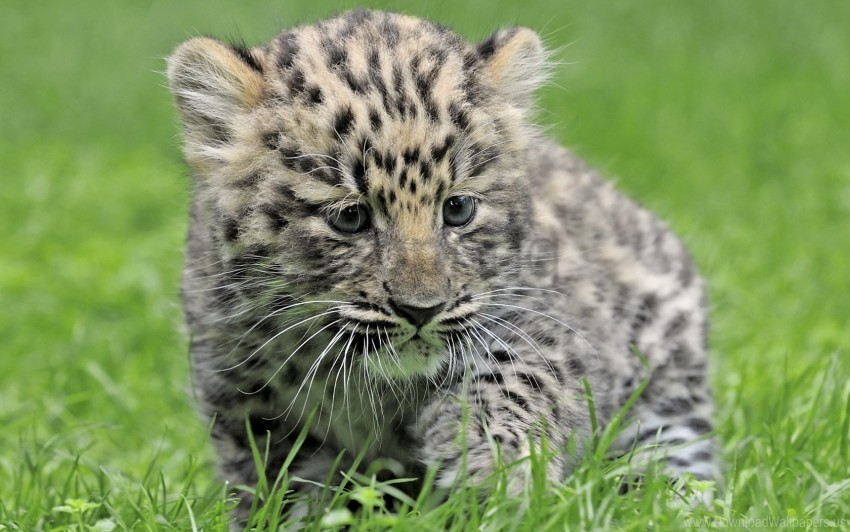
(299, 328)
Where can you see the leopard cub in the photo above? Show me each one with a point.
(387, 258)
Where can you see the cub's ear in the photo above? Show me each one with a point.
(213, 86)
(517, 63)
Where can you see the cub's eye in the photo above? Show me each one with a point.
(458, 210)
(351, 219)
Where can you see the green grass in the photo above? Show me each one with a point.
(731, 119)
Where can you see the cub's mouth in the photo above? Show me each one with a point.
(393, 345)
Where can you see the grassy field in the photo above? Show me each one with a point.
(730, 119)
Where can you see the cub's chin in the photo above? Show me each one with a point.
(420, 356)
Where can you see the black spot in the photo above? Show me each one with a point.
(276, 219)
(431, 110)
(255, 252)
(676, 325)
(260, 425)
(249, 182)
(360, 16)
(423, 88)
(695, 379)
(703, 456)
(493, 378)
(375, 120)
(296, 83)
(470, 60)
(546, 341)
(314, 95)
(357, 85)
(344, 121)
(412, 186)
(439, 151)
(374, 59)
(337, 56)
(389, 162)
(681, 354)
(390, 32)
(699, 425)
(411, 156)
(677, 462)
(271, 140)
(515, 233)
(415, 61)
(459, 117)
(425, 170)
(439, 55)
(398, 80)
(576, 366)
(307, 164)
(412, 110)
(674, 406)
(288, 50)
(440, 189)
(501, 355)
(402, 178)
(359, 173)
(230, 229)
(289, 157)
(391, 198)
(382, 201)
(520, 401)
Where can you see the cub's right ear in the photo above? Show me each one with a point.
(213, 86)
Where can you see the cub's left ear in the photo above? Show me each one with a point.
(214, 85)
(517, 63)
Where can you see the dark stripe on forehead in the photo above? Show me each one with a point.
(288, 50)
(411, 156)
(296, 83)
(438, 152)
(425, 169)
(337, 56)
(358, 171)
(389, 30)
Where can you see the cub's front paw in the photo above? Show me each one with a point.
(456, 444)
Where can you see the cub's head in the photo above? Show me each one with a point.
(373, 164)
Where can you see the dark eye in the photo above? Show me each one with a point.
(458, 210)
(351, 219)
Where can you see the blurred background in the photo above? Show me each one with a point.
(730, 119)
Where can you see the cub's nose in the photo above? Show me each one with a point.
(417, 316)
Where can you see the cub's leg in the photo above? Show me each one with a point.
(671, 420)
(509, 401)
